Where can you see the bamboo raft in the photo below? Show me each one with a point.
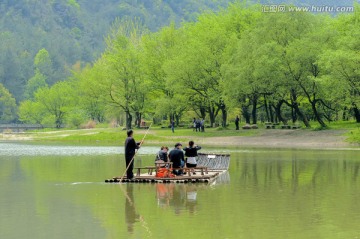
(216, 168)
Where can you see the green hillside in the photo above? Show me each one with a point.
(73, 31)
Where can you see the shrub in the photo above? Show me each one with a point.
(91, 124)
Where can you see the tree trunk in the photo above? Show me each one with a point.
(59, 119)
(344, 115)
(271, 114)
(222, 107)
(177, 119)
(224, 116)
(254, 109)
(317, 115)
(266, 109)
(203, 112)
(128, 121)
(212, 116)
(171, 118)
(276, 118)
(356, 113)
(301, 115)
(295, 105)
(278, 112)
(245, 113)
(293, 115)
(138, 119)
(58, 123)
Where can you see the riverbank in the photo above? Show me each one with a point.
(272, 138)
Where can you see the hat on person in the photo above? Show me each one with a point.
(177, 144)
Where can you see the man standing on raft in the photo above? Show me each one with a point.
(130, 148)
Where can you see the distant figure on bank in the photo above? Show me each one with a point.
(176, 156)
(194, 124)
(237, 120)
(162, 156)
(198, 125)
(202, 125)
(130, 148)
(191, 154)
(172, 126)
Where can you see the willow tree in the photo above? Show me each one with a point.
(53, 104)
(92, 98)
(196, 70)
(298, 26)
(159, 49)
(342, 63)
(251, 73)
(123, 73)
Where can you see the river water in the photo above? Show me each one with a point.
(54, 192)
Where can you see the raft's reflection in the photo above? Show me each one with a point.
(130, 212)
(178, 196)
(184, 196)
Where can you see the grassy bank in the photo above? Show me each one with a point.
(116, 136)
(353, 136)
(352, 130)
(338, 134)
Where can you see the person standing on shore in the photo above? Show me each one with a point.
(202, 125)
(237, 120)
(172, 126)
(130, 148)
(197, 125)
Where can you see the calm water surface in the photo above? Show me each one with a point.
(58, 192)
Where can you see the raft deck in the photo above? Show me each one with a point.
(146, 178)
(216, 165)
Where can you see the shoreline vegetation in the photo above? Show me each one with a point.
(340, 135)
(293, 67)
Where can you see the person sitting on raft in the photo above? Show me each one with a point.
(176, 156)
(191, 155)
(162, 157)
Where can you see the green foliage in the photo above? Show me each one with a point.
(31, 112)
(61, 33)
(74, 3)
(7, 106)
(76, 117)
(270, 67)
(36, 82)
(341, 60)
(42, 60)
(354, 136)
(49, 105)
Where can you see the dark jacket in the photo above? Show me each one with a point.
(162, 155)
(191, 151)
(130, 147)
(175, 156)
